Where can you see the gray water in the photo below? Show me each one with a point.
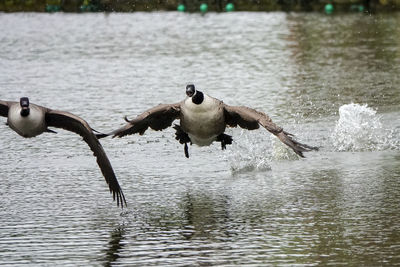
(333, 81)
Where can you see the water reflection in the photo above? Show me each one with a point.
(115, 246)
(204, 216)
(322, 51)
(350, 223)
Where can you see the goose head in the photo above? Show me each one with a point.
(190, 90)
(197, 96)
(24, 103)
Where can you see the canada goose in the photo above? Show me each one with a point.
(203, 120)
(30, 120)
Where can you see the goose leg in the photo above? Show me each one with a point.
(183, 138)
(225, 140)
(186, 149)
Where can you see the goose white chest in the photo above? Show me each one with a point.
(29, 126)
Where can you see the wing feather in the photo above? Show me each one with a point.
(73, 123)
(157, 118)
(250, 119)
(4, 106)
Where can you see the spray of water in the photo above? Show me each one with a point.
(359, 129)
(254, 152)
(248, 155)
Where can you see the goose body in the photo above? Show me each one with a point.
(27, 126)
(203, 120)
(30, 120)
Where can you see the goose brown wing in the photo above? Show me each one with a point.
(251, 119)
(73, 123)
(4, 106)
(157, 118)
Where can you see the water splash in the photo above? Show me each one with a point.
(359, 129)
(254, 152)
(248, 154)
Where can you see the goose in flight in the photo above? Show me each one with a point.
(203, 120)
(30, 120)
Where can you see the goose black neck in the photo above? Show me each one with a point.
(24, 112)
(198, 97)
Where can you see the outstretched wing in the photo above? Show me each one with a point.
(70, 122)
(251, 119)
(157, 118)
(4, 106)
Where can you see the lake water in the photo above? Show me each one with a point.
(333, 81)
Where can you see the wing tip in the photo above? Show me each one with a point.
(297, 147)
(120, 197)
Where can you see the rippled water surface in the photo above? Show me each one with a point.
(333, 81)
